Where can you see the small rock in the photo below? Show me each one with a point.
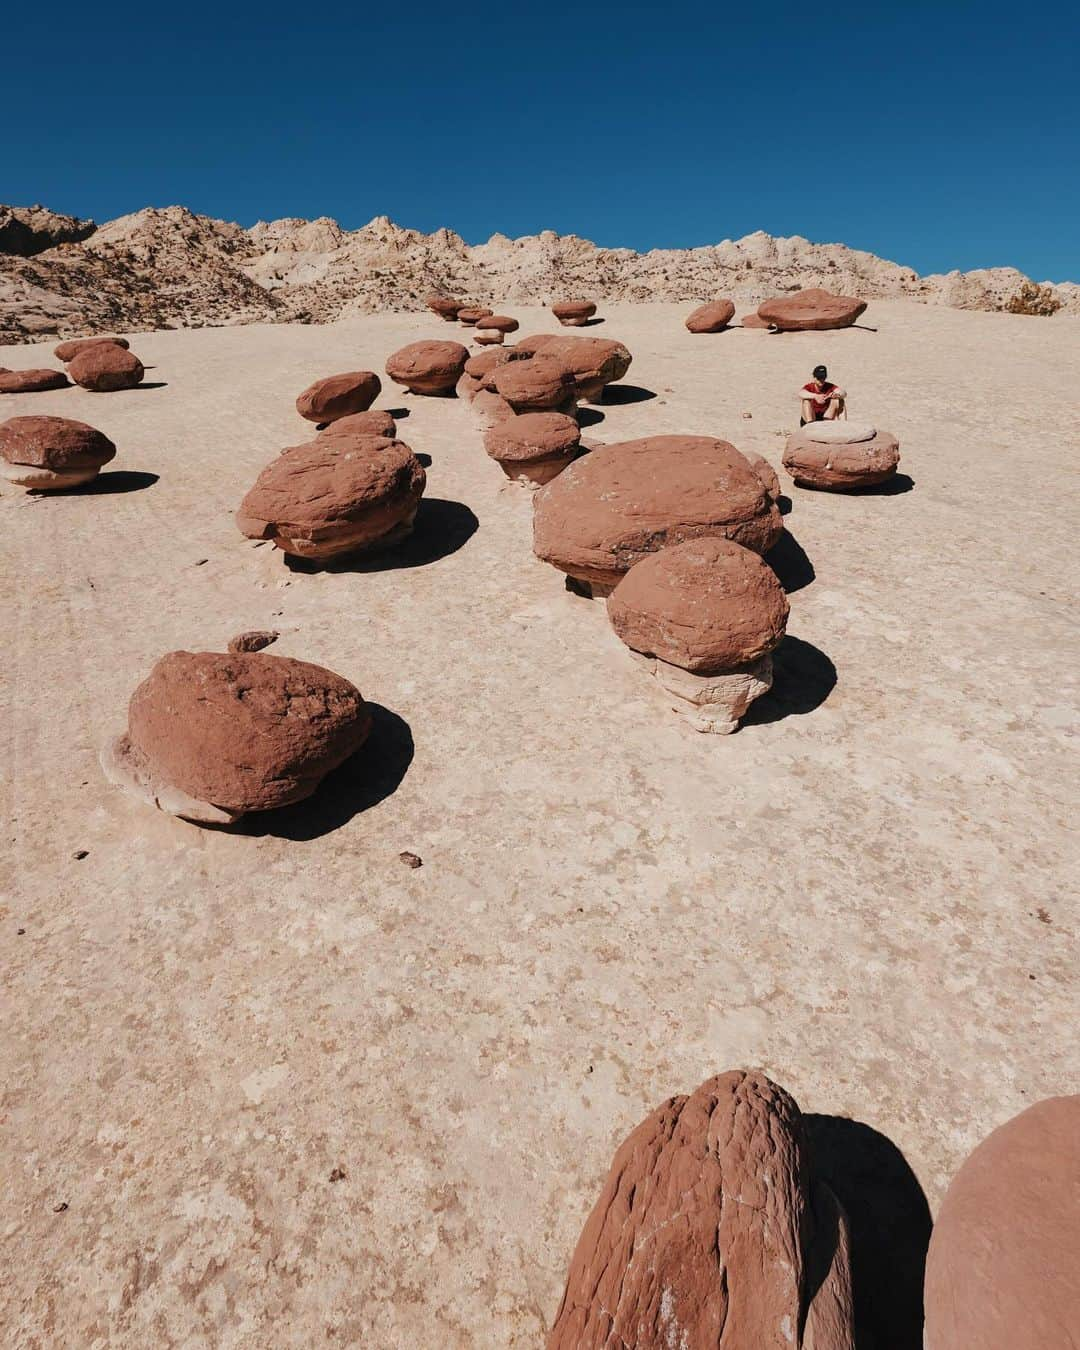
(253, 642)
(338, 1174)
(748, 415)
(80, 854)
(411, 860)
(59, 1209)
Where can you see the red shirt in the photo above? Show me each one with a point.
(820, 396)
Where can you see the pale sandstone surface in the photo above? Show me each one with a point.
(200, 1026)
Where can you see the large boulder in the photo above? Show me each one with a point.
(593, 362)
(534, 447)
(538, 384)
(378, 422)
(620, 503)
(428, 367)
(503, 323)
(1003, 1269)
(338, 396)
(573, 313)
(105, 367)
(64, 351)
(836, 463)
(812, 309)
(51, 453)
(213, 735)
(335, 495)
(712, 1232)
(444, 306)
(711, 318)
(31, 381)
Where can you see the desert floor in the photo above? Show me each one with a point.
(864, 892)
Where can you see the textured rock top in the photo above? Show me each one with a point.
(56, 443)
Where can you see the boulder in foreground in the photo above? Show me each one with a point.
(810, 310)
(837, 461)
(338, 396)
(534, 447)
(50, 454)
(105, 367)
(432, 368)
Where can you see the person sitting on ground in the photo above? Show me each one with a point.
(821, 400)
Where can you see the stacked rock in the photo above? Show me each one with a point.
(841, 456)
(31, 381)
(593, 362)
(534, 447)
(712, 1229)
(339, 396)
(64, 351)
(703, 618)
(573, 313)
(537, 384)
(477, 370)
(211, 736)
(472, 314)
(49, 454)
(444, 306)
(341, 493)
(811, 310)
(432, 368)
(713, 317)
(376, 423)
(493, 328)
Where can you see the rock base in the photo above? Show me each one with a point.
(128, 768)
(355, 540)
(39, 479)
(711, 703)
(536, 472)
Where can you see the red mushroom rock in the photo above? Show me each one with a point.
(335, 495)
(712, 1233)
(51, 453)
(444, 306)
(703, 616)
(105, 368)
(840, 456)
(473, 314)
(211, 736)
(1001, 1272)
(754, 321)
(618, 504)
(31, 381)
(338, 396)
(489, 337)
(538, 384)
(428, 367)
(593, 362)
(375, 423)
(810, 310)
(502, 322)
(66, 350)
(711, 318)
(478, 370)
(534, 447)
(573, 313)
(490, 409)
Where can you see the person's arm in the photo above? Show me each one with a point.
(838, 393)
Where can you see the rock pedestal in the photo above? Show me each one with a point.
(49, 454)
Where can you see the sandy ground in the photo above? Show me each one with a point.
(864, 892)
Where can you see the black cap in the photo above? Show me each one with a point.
(820, 373)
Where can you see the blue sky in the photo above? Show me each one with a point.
(937, 135)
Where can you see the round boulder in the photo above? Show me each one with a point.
(473, 314)
(66, 350)
(840, 466)
(538, 384)
(620, 503)
(534, 447)
(31, 381)
(428, 367)
(593, 362)
(1001, 1272)
(334, 495)
(810, 310)
(444, 306)
(213, 735)
(711, 318)
(105, 367)
(573, 313)
(376, 423)
(502, 322)
(339, 396)
(51, 453)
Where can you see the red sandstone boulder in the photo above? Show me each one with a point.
(538, 384)
(374, 423)
(1002, 1269)
(593, 362)
(211, 736)
(339, 396)
(105, 367)
(66, 350)
(445, 307)
(712, 1233)
(51, 453)
(502, 322)
(711, 318)
(473, 314)
(490, 409)
(753, 321)
(812, 309)
(535, 447)
(31, 381)
(428, 367)
(253, 641)
(612, 508)
(335, 495)
(764, 472)
(840, 463)
(573, 313)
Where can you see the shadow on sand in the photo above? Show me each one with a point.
(588, 417)
(892, 487)
(441, 528)
(788, 560)
(803, 678)
(617, 394)
(106, 484)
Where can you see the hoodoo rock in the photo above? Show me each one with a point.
(428, 367)
(622, 502)
(444, 306)
(712, 1233)
(1001, 1272)
(534, 447)
(51, 453)
(105, 367)
(502, 322)
(335, 495)
(473, 314)
(477, 370)
(375, 423)
(66, 350)
(573, 313)
(703, 617)
(31, 381)
(538, 384)
(844, 460)
(810, 310)
(711, 318)
(593, 362)
(339, 396)
(211, 736)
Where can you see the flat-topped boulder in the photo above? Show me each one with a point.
(713, 317)
(810, 310)
(593, 362)
(376, 422)
(335, 495)
(445, 306)
(618, 504)
(534, 447)
(472, 314)
(432, 368)
(840, 465)
(212, 735)
(31, 381)
(573, 313)
(712, 1232)
(105, 367)
(838, 431)
(66, 350)
(51, 453)
(503, 323)
(538, 384)
(337, 396)
(1001, 1272)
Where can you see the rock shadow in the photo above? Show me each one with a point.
(615, 395)
(370, 776)
(106, 484)
(892, 487)
(398, 413)
(788, 560)
(783, 505)
(440, 529)
(591, 323)
(147, 384)
(890, 1228)
(425, 460)
(803, 678)
(588, 417)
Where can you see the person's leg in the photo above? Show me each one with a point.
(807, 410)
(841, 408)
(831, 410)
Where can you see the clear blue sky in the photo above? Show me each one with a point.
(939, 135)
